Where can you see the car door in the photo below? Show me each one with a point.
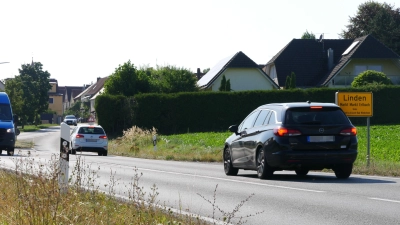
(252, 138)
(239, 144)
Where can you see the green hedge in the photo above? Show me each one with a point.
(114, 112)
(216, 111)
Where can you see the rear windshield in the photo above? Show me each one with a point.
(324, 116)
(91, 130)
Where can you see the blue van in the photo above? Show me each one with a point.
(7, 129)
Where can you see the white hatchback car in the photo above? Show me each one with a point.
(89, 138)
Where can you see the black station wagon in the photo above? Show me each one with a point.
(299, 136)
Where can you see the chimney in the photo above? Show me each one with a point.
(98, 79)
(330, 59)
(198, 74)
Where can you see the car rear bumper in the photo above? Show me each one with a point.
(311, 159)
(90, 149)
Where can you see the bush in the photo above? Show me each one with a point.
(370, 77)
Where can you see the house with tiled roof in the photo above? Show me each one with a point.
(332, 62)
(56, 97)
(90, 93)
(69, 93)
(244, 75)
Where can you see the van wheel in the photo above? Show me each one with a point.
(343, 171)
(228, 167)
(264, 171)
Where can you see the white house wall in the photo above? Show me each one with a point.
(347, 74)
(244, 79)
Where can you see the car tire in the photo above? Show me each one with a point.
(228, 167)
(343, 171)
(105, 153)
(264, 171)
(10, 152)
(301, 172)
(73, 151)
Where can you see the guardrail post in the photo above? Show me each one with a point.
(64, 157)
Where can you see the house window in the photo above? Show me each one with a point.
(361, 68)
(51, 100)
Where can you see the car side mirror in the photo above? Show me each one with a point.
(234, 128)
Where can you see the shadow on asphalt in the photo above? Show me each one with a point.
(320, 178)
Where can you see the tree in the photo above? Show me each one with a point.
(206, 70)
(369, 77)
(287, 82)
(307, 35)
(172, 79)
(290, 81)
(228, 85)
(127, 81)
(381, 20)
(222, 86)
(225, 84)
(28, 92)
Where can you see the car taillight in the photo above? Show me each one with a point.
(316, 107)
(284, 132)
(349, 131)
(79, 136)
(103, 137)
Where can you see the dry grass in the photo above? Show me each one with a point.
(24, 144)
(137, 142)
(31, 195)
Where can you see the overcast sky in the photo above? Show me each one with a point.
(78, 41)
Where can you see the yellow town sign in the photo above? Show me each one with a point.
(355, 104)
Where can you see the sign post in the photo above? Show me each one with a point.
(357, 104)
(64, 157)
(155, 142)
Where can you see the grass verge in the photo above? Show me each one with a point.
(31, 194)
(207, 147)
(30, 128)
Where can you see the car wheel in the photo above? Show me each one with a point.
(105, 153)
(301, 172)
(100, 153)
(73, 151)
(264, 171)
(10, 151)
(229, 169)
(343, 171)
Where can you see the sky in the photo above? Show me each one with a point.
(78, 41)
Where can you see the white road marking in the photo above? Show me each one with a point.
(237, 181)
(385, 200)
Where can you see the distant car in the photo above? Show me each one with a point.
(299, 136)
(70, 120)
(89, 138)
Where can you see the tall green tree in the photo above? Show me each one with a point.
(290, 81)
(381, 20)
(28, 91)
(225, 84)
(222, 85)
(126, 80)
(308, 35)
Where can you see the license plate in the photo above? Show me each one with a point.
(91, 140)
(321, 138)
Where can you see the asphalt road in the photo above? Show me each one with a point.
(319, 198)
